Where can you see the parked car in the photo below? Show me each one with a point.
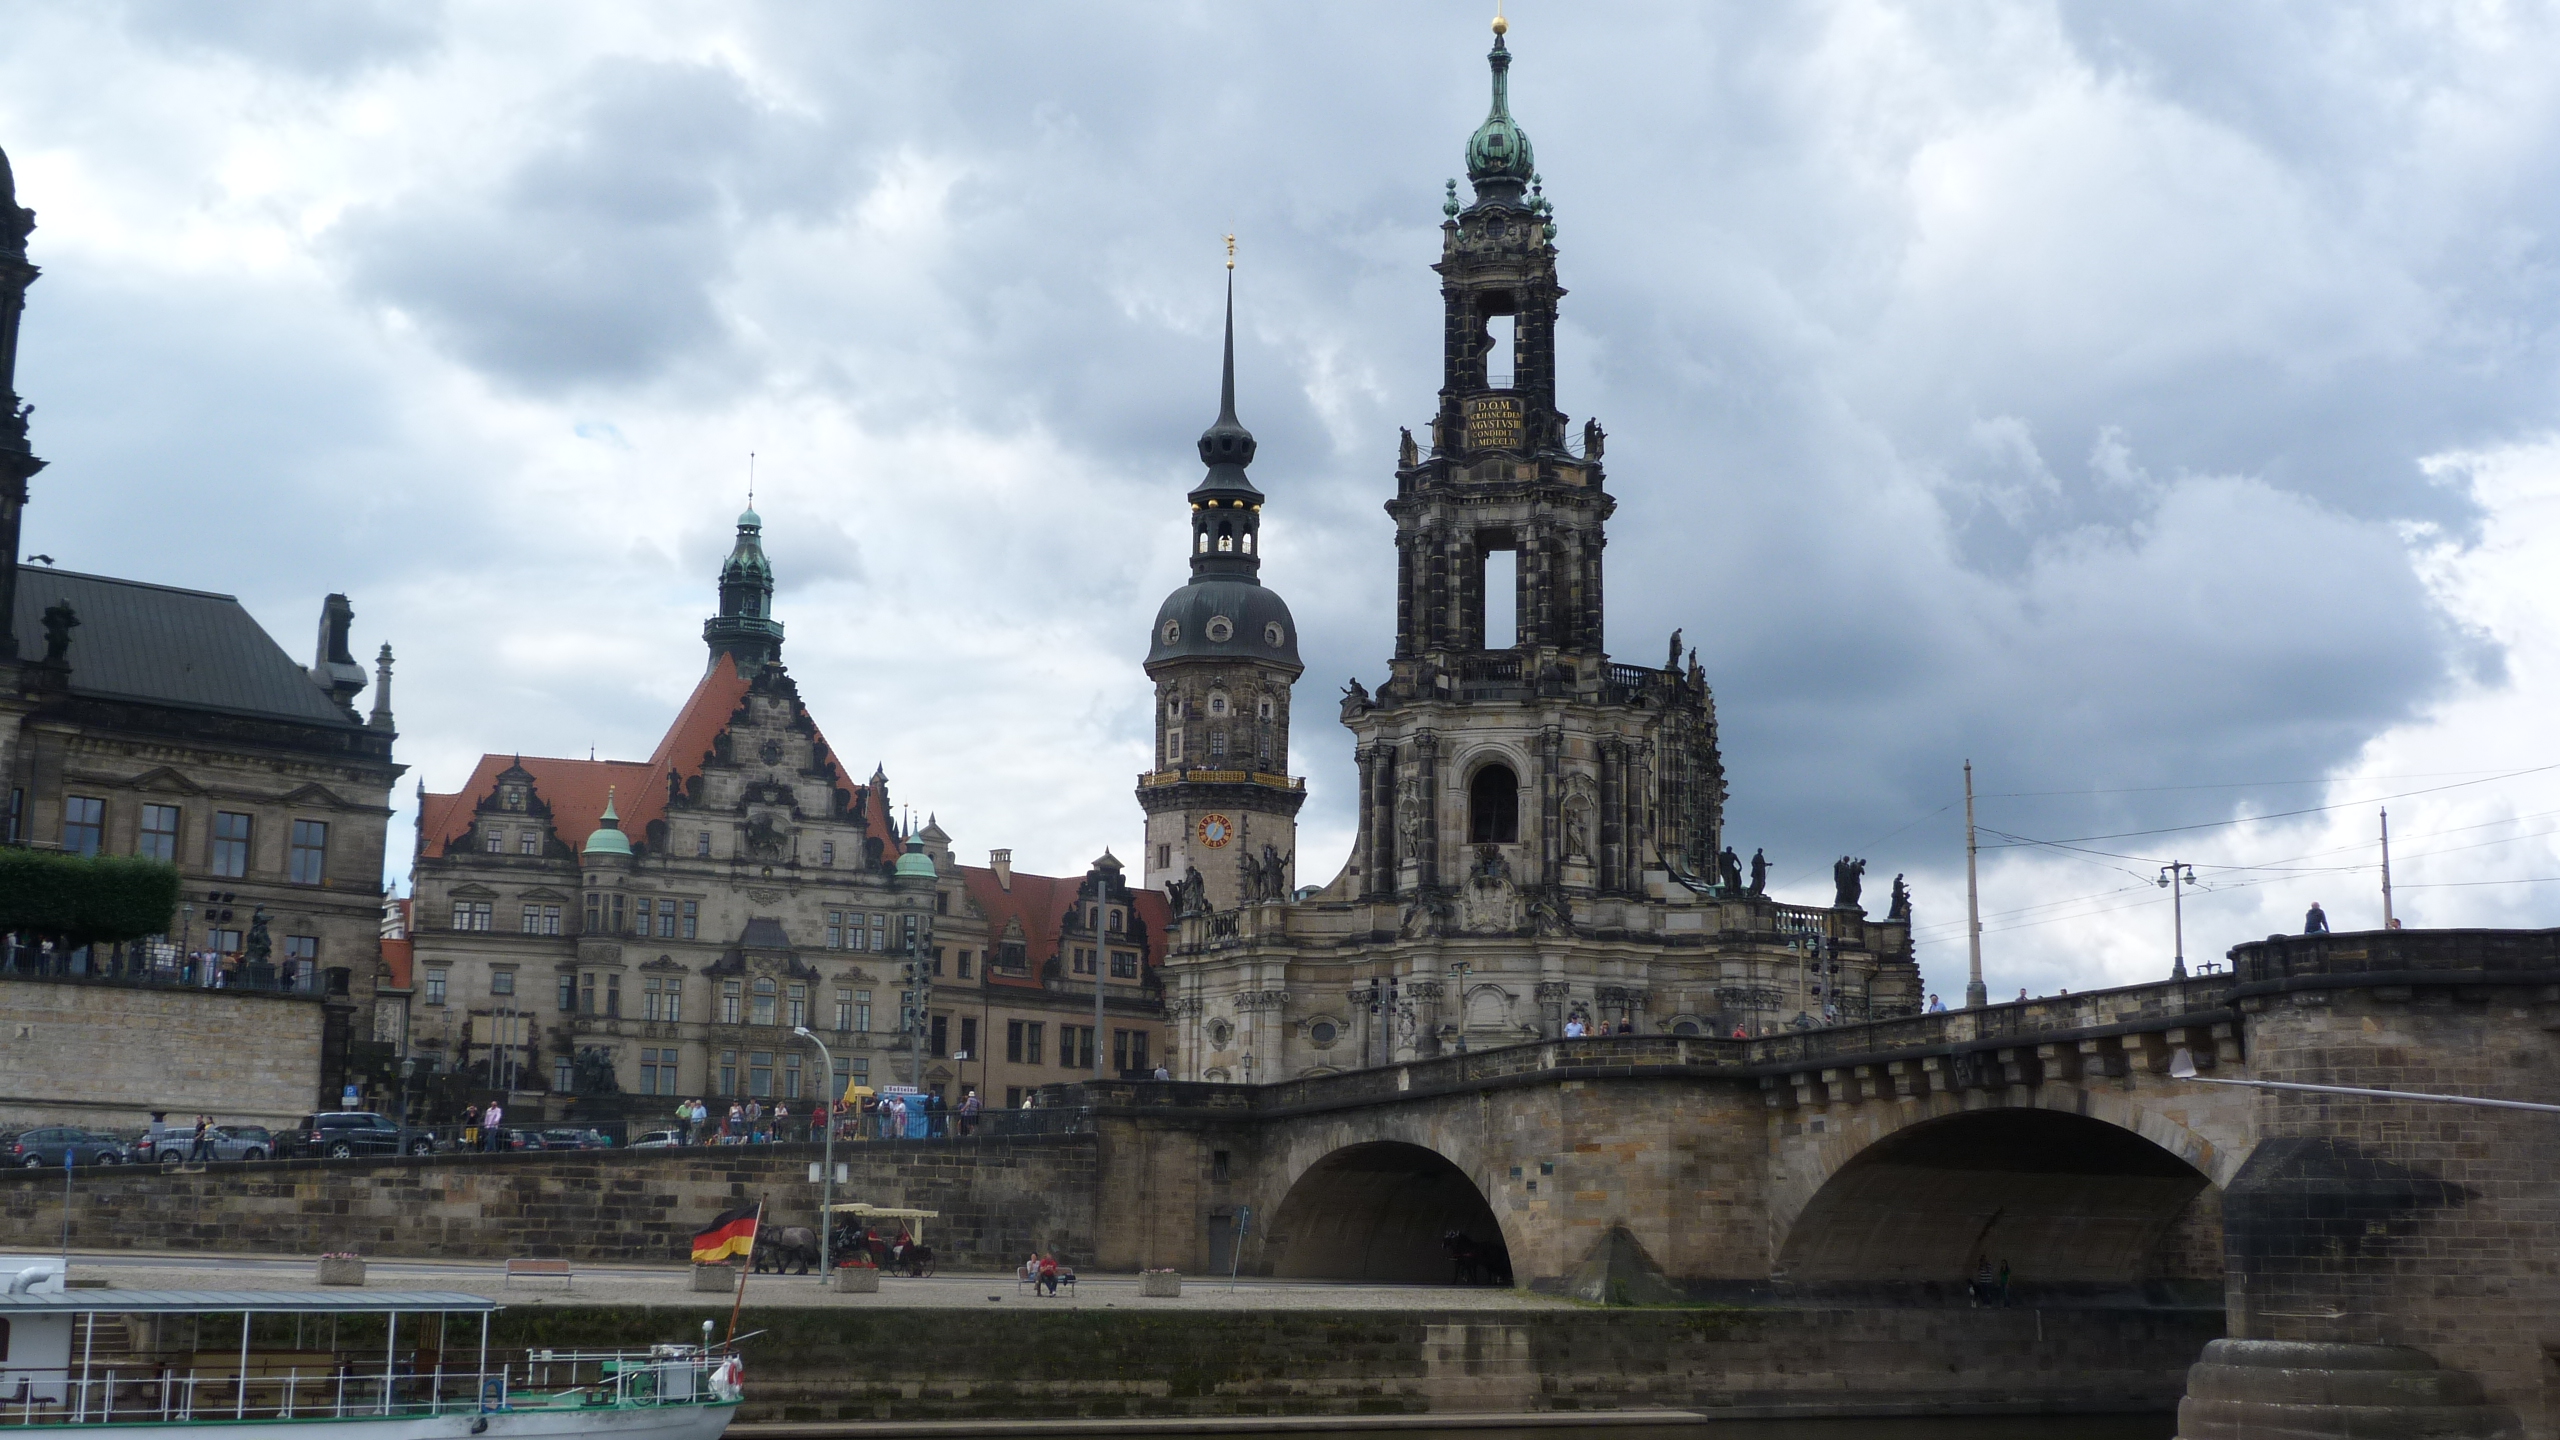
(345, 1134)
(170, 1144)
(38, 1149)
(659, 1140)
(575, 1139)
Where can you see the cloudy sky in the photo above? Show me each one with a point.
(2154, 404)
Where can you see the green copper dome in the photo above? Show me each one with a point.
(1499, 150)
(608, 839)
(916, 862)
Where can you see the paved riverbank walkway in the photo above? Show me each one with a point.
(670, 1285)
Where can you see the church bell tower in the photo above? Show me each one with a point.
(1223, 654)
(18, 462)
(1506, 753)
(745, 629)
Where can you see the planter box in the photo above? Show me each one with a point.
(715, 1279)
(340, 1272)
(855, 1280)
(1160, 1284)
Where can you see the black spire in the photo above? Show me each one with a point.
(1226, 509)
(18, 461)
(745, 628)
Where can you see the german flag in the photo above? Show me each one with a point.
(734, 1233)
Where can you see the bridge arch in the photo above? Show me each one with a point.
(1379, 1210)
(2065, 1196)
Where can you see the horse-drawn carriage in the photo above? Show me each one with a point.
(902, 1251)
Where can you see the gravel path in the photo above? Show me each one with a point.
(670, 1286)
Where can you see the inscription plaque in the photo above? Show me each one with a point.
(1494, 422)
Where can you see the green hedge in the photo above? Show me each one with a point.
(86, 899)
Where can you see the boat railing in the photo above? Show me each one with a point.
(139, 1391)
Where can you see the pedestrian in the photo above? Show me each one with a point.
(1048, 1276)
(701, 1123)
(969, 1108)
(2004, 1284)
(1626, 1025)
(818, 1121)
(1573, 1026)
(1741, 1034)
(1163, 1072)
(200, 1148)
(1980, 1289)
(684, 1122)
(736, 1121)
(489, 1131)
(1029, 1098)
(781, 1121)
(2022, 992)
(897, 1117)
(1937, 1006)
(2316, 922)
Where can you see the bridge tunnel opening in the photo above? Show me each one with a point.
(1388, 1211)
(2066, 1201)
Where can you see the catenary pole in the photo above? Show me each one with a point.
(1975, 996)
(2387, 922)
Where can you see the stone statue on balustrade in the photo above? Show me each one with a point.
(1846, 878)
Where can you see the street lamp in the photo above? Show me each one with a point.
(827, 1176)
(408, 1067)
(2175, 877)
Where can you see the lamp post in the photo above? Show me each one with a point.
(408, 1067)
(827, 1175)
(2175, 877)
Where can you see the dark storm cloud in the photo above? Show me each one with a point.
(2045, 386)
(597, 255)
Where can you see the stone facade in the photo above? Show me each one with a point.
(670, 921)
(1540, 829)
(107, 1057)
(143, 719)
(997, 1203)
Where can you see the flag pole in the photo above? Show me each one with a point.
(740, 1302)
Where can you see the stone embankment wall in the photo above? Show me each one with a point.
(106, 1056)
(998, 1200)
(1049, 1359)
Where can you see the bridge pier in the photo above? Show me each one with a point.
(2390, 1265)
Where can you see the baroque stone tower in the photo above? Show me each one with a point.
(17, 460)
(745, 629)
(1539, 845)
(1539, 762)
(1219, 801)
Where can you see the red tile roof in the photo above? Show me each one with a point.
(396, 955)
(1039, 903)
(576, 789)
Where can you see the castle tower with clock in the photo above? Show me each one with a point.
(1539, 829)
(1222, 812)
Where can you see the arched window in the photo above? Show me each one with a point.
(1248, 543)
(1493, 807)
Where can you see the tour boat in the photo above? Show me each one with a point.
(314, 1363)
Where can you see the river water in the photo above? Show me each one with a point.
(2021, 1427)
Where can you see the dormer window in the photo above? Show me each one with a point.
(1217, 703)
(514, 797)
(494, 841)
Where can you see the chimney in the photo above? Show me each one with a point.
(1001, 861)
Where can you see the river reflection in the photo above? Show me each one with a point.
(2013, 1427)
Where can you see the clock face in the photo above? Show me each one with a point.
(1215, 831)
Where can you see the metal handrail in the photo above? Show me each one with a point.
(638, 1378)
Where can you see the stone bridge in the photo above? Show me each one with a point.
(1886, 1163)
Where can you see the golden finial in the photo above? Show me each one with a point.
(1500, 25)
(1231, 252)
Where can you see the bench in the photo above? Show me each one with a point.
(1030, 1280)
(523, 1269)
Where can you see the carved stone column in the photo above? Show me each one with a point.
(1552, 995)
(1424, 995)
(1613, 814)
(1550, 806)
(1426, 771)
(1364, 829)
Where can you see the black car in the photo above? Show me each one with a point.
(39, 1149)
(575, 1139)
(345, 1134)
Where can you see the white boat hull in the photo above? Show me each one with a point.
(640, 1422)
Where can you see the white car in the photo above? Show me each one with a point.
(659, 1140)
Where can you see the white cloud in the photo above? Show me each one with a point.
(2028, 382)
